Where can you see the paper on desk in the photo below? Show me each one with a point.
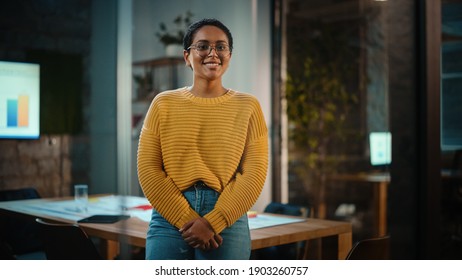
(105, 205)
(39, 209)
(262, 221)
(144, 215)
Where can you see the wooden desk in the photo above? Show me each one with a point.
(307, 230)
(380, 182)
(133, 231)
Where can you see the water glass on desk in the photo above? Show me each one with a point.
(81, 197)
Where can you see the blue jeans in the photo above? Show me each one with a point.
(164, 241)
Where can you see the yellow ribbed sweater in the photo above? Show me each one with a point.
(222, 141)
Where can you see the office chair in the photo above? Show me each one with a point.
(20, 236)
(19, 194)
(66, 242)
(5, 251)
(290, 251)
(377, 248)
(287, 209)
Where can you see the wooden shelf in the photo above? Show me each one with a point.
(140, 105)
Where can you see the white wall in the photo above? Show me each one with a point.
(250, 24)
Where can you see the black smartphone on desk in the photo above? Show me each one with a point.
(103, 219)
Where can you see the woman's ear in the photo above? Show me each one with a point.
(186, 57)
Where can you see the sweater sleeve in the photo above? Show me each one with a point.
(157, 186)
(244, 189)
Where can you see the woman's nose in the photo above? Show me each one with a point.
(214, 50)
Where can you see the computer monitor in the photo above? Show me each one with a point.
(380, 148)
(19, 100)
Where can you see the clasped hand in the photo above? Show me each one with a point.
(198, 233)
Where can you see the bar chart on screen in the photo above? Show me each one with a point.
(17, 111)
(19, 100)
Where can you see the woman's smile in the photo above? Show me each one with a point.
(212, 64)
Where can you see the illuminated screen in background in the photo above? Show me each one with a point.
(380, 148)
(19, 100)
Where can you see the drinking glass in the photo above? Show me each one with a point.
(81, 197)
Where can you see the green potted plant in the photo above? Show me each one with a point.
(172, 39)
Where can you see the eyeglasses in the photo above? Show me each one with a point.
(204, 49)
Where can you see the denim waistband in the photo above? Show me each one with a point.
(199, 185)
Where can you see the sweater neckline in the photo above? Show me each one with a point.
(206, 100)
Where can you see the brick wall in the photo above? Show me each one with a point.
(44, 164)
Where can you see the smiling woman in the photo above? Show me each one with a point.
(202, 157)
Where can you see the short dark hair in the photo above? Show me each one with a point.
(194, 27)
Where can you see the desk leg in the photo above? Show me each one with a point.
(381, 211)
(344, 245)
(109, 249)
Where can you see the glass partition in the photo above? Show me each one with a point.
(337, 102)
